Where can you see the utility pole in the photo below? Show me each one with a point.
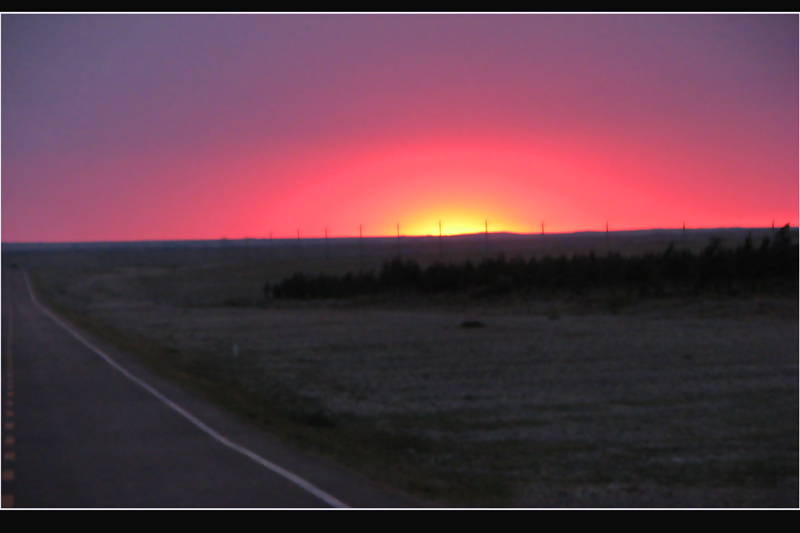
(542, 239)
(440, 239)
(327, 255)
(298, 242)
(399, 250)
(360, 243)
(486, 239)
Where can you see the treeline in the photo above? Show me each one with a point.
(772, 266)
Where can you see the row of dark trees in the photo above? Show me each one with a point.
(771, 266)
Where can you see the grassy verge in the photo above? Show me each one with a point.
(660, 400)
(391, 457)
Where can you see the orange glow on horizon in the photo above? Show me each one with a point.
(515, 185)
(575, 184)
(570, 185)
(461, 184)
(455, 220)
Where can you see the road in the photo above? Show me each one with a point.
(85, 425)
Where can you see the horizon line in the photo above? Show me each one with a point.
(324, 237)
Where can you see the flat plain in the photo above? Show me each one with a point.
(592, 401)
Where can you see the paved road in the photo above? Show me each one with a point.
(78, 432)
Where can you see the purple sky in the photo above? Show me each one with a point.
(181, 127)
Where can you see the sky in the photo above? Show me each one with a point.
(162, 127)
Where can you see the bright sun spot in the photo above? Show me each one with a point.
(454, 223)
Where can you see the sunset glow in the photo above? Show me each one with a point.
(202, 127)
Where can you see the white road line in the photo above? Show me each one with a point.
(294, 478)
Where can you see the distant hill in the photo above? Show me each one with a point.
(493, 236)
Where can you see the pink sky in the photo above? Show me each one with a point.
(202, 127)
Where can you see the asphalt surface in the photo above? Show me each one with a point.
(77, 432)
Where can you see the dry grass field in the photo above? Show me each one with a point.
(603, 400)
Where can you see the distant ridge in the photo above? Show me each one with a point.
(311, 241)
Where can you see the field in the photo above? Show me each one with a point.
(599, 400)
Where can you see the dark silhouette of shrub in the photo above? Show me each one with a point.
(398, 274)
(771, 267)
